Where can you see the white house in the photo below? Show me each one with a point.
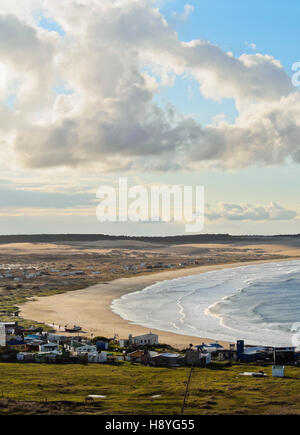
(278, 371)
(142, 340)
(49, 347)
(123, 342)
(87, 348)
(6, 329)
(211, 347)
(2, 335)
(95, 357)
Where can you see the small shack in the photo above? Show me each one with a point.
(278, 371)
(197, 358)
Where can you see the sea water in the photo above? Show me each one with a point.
(257, 303)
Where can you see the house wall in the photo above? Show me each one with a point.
(47, 348)
(85, 349)
(102, 345)
(164, 361)
(2, 335)
(149, 339)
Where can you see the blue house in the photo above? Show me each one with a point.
(102, 345)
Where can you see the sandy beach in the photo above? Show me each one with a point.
(90, 307)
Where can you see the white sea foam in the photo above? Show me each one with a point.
(257, 303)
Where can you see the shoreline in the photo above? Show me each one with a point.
(91, 307)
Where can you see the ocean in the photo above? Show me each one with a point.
(257, 303)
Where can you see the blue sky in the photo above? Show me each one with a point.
(271, 24)
(233, 25)
(269, 27)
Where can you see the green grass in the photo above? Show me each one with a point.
(218, 390)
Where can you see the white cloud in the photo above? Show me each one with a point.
(187, 10)
(251, 45)
(115, 56)
(247, 212)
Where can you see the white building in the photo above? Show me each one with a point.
(211, 347)
(87, 348)
(49, 347)
(143, 340)
(278, 371)
(2, 335)
(6, 329)
(95, 357)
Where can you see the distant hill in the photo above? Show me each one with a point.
(198, 238)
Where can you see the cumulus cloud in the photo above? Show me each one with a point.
(251, 45)
(114, 57)
(247, 212)
(187, 10)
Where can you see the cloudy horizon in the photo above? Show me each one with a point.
(163, 92)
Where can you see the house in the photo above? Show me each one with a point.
(254, 353)
(9, 327)
(143, 340)
(17, 344)
(55, 338)
(10, 335)
(86, 348)
(73, 345)
(49, 347)
(102, 345)
(135, 356)
(210, 347)
(278, 371)
(31, 337)
(25, 356)
(166, 360)
(197, 358)
(34, 345)
(2, 334)
(46, 357)
(224, 354)
(146, 357)
(123, 342)
(95, 357)
(284, 355)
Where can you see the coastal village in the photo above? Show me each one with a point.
(69, 267)
(18, 344)
(55, 365)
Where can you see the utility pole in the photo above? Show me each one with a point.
(186, 391)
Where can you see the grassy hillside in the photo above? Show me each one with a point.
(217, 390)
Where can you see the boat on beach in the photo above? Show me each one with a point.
(74, 329)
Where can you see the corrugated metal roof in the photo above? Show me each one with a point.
(168, 355)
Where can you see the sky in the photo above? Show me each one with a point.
(163, 92)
